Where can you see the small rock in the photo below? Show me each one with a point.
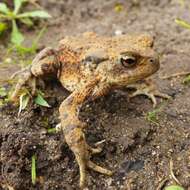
(118, 32)
(8, 60)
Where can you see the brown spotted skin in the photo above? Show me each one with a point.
(90, 66)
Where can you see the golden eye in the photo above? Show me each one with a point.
(128, 61)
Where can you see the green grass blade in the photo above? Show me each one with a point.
(182, 23)
(33, 170)
(174, 187)
(24, 99)
(34, 14)
(36, 40)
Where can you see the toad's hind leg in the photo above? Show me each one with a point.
(73, 131)
(77, 143)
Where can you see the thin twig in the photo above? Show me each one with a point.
(172, 173)
(128, 185)
(161, 184)
(183, 73)
(100, 142)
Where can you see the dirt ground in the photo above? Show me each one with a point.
(137, 150)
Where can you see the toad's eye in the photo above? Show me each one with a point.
(128, 61)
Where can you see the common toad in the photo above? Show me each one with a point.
(90, 66)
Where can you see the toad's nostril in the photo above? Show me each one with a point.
(154, 60)
(154, 63)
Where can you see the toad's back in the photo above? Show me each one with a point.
(74, 50)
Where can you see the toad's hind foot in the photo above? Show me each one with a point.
(82, 151)
(94, 150)
(73, 128)
(99, 169)
(148, 89)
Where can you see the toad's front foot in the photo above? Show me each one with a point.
(148, 89)
(25, 77)
(41, 65)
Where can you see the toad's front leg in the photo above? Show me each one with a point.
(147, 88)
(73, 131)
(43, 64)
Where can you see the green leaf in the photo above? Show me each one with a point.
(152, 116)
(27, 21)
(52, 130)
(186, 80)
(17, 5)
(16, 37)
(36, 40)
(3, 27)
(3, 92)
(24, 99)
(182, 23)
(33, 170)
(4, 9)
(38, 13)
(1, 102)
(25, 50)
(174, 187)
(41, 101)
(118, 7)
(22, 50)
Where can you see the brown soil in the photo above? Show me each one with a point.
(138, 151)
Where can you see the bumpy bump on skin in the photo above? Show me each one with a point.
(146, 41)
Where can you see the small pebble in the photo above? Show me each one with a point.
(8, 60)
(58, 127)
(118, 32)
